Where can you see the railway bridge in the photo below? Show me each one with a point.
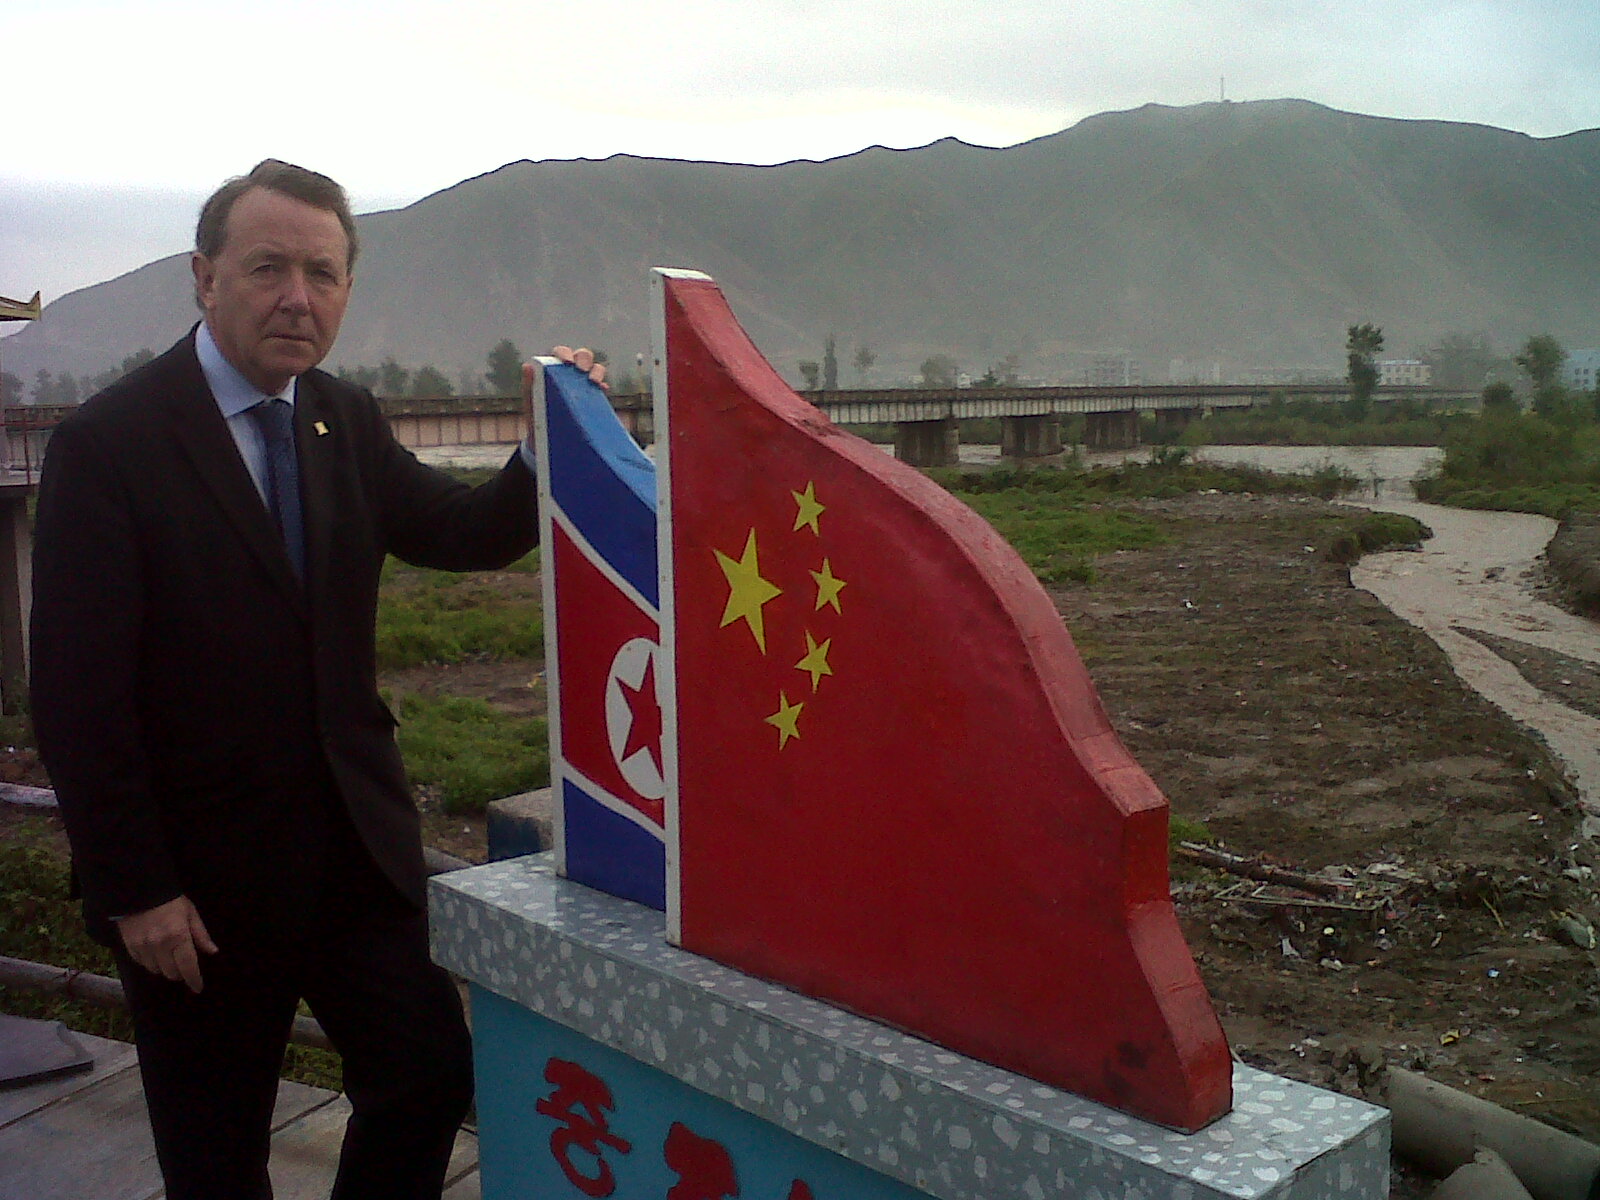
(925, 421)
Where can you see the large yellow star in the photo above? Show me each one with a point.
(828, 586)
(747, 591)
(815, 663)
(808, 509)
(786, 720)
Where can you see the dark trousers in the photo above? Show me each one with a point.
(210, 1061)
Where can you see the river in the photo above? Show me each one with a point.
(1477, 572)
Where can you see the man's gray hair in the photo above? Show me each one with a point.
(308, 187)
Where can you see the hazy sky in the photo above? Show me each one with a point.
(138, 109)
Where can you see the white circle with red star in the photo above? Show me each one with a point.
(633, 664)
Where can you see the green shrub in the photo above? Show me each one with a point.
(1372, 532)
(1519, 462)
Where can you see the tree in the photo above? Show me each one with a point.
(430, 382)
(10, 388)
(863, 361)
(54, 389)
(1362, 345)
(939, 371)
(1541, 359)
(1498, 397)
(1003, 373)
(106, 378)
(392, 378)
(505, 369)
(1461, 360)
(810, 371)
(362, 377)
(830, 366)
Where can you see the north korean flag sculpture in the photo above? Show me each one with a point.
(602, 640)
(866, 759)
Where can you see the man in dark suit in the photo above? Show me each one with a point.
(205, 591)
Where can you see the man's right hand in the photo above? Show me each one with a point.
(167, 940)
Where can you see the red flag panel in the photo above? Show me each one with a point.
(897, 788)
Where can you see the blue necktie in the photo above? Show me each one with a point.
(274, 417)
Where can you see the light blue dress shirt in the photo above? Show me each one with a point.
(235, 396)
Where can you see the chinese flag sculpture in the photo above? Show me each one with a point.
(886, 780)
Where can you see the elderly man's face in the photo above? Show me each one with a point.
(275, 293)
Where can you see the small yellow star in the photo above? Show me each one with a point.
(747, 591)
(828, 587)
(815, 663)
(809, 509)
(786, 720)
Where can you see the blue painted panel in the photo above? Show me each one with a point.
(600, 478)
(610, 852)
(522, 1143)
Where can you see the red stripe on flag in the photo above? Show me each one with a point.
(606, 643)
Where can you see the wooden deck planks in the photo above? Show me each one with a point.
(305, 1154)
(92, 1142)
(109, 1058)
(87, 1136)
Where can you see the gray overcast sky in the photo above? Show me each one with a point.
(138, 109)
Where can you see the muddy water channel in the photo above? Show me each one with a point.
(1472, 585)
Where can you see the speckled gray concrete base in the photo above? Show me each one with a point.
(946, 1124)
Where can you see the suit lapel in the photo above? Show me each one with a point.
(317, 439)
(198, 426)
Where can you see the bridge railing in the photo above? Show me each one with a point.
(421, 422)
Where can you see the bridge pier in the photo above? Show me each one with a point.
(927, 443)
(1175, 420)
(1111, 430)
(1030, 437)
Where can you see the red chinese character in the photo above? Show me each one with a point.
(800, 1191)
(588, 1131)
(705, 1171)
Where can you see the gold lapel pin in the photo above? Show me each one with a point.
(320, 427)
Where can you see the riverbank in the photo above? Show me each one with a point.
(1477, 589)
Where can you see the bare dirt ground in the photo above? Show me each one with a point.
(1302, 722)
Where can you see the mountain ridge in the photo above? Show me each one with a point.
(1243, 233)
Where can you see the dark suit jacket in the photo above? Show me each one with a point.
(195, 705)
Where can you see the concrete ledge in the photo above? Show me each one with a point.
(521, 824)
(910, 1110)
(24, 796)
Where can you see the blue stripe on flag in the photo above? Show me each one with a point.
(606, 851)
(600, 479)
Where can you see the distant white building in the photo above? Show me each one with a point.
(1582, 370)
(1114, 371)
(1399, 372)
